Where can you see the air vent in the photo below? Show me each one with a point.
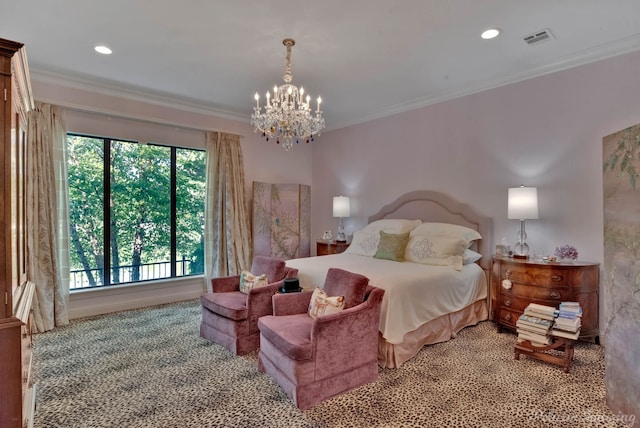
(538, 37)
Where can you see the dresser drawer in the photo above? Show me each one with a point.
(538, 292)
(537, 276)
(508, 317)
(520, 303)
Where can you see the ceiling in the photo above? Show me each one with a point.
(366, 58)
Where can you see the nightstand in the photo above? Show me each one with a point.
(324, 247)
(546, 284)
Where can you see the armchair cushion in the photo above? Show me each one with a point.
(289, 333)
(232, 305)
(351, 285)
(321, 304)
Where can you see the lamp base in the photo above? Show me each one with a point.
(521, 256)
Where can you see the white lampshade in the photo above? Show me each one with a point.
(341, 206)
(523, 203)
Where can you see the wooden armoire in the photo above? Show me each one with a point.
(17, 391)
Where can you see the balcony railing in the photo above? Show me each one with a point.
(129, 273)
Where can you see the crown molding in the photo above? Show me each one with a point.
(133, 94)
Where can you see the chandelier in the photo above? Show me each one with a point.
(287, 117)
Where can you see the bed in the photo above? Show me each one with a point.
(423, 303)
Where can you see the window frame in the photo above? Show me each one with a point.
(106, 210)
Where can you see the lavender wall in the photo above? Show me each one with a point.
(544, 132)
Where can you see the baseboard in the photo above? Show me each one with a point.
(93, 302)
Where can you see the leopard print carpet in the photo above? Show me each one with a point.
(149, 368)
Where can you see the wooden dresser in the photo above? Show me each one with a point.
(17, 391)
(324, 248)
(546, 284)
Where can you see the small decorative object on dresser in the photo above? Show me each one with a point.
(566, 252)
(324, 248)
(517, 283)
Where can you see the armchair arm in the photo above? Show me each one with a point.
(291, 303)
(348, 338)
(225, 284)
(259, 302)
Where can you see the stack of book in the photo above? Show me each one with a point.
(535, 324)
(568, 322)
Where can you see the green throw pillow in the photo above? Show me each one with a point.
(392, 246)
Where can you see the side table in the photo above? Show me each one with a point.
(559, 352)
(324, 247)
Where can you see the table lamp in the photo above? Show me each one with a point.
(341, 209)
(522, 205)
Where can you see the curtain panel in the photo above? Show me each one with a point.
(47, 215)
(227, 247)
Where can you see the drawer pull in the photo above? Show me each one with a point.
(507, 303)
(556, 278)
(506, 284)
(507, 317)
(554, 295)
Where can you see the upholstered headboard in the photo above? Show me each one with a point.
(432, 206)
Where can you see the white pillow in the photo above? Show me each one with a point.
(447, 229)
(470, 256)
(436, 250)
(365, 241)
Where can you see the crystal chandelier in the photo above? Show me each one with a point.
(287, 117)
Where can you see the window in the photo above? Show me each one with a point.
(136, 211)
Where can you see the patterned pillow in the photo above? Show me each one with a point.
(392, 246)
(436, 250)
(248, 281)
(364, 243)
(321, 304)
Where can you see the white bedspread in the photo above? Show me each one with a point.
(414, 293)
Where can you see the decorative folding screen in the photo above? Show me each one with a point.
(621, 189)
(281, 220)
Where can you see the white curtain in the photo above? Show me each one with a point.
(227, 248)
(47, 215)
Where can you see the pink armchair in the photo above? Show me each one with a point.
(313, 360)
(230, 318)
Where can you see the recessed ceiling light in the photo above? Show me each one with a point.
(490, 33)
(103, 50)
